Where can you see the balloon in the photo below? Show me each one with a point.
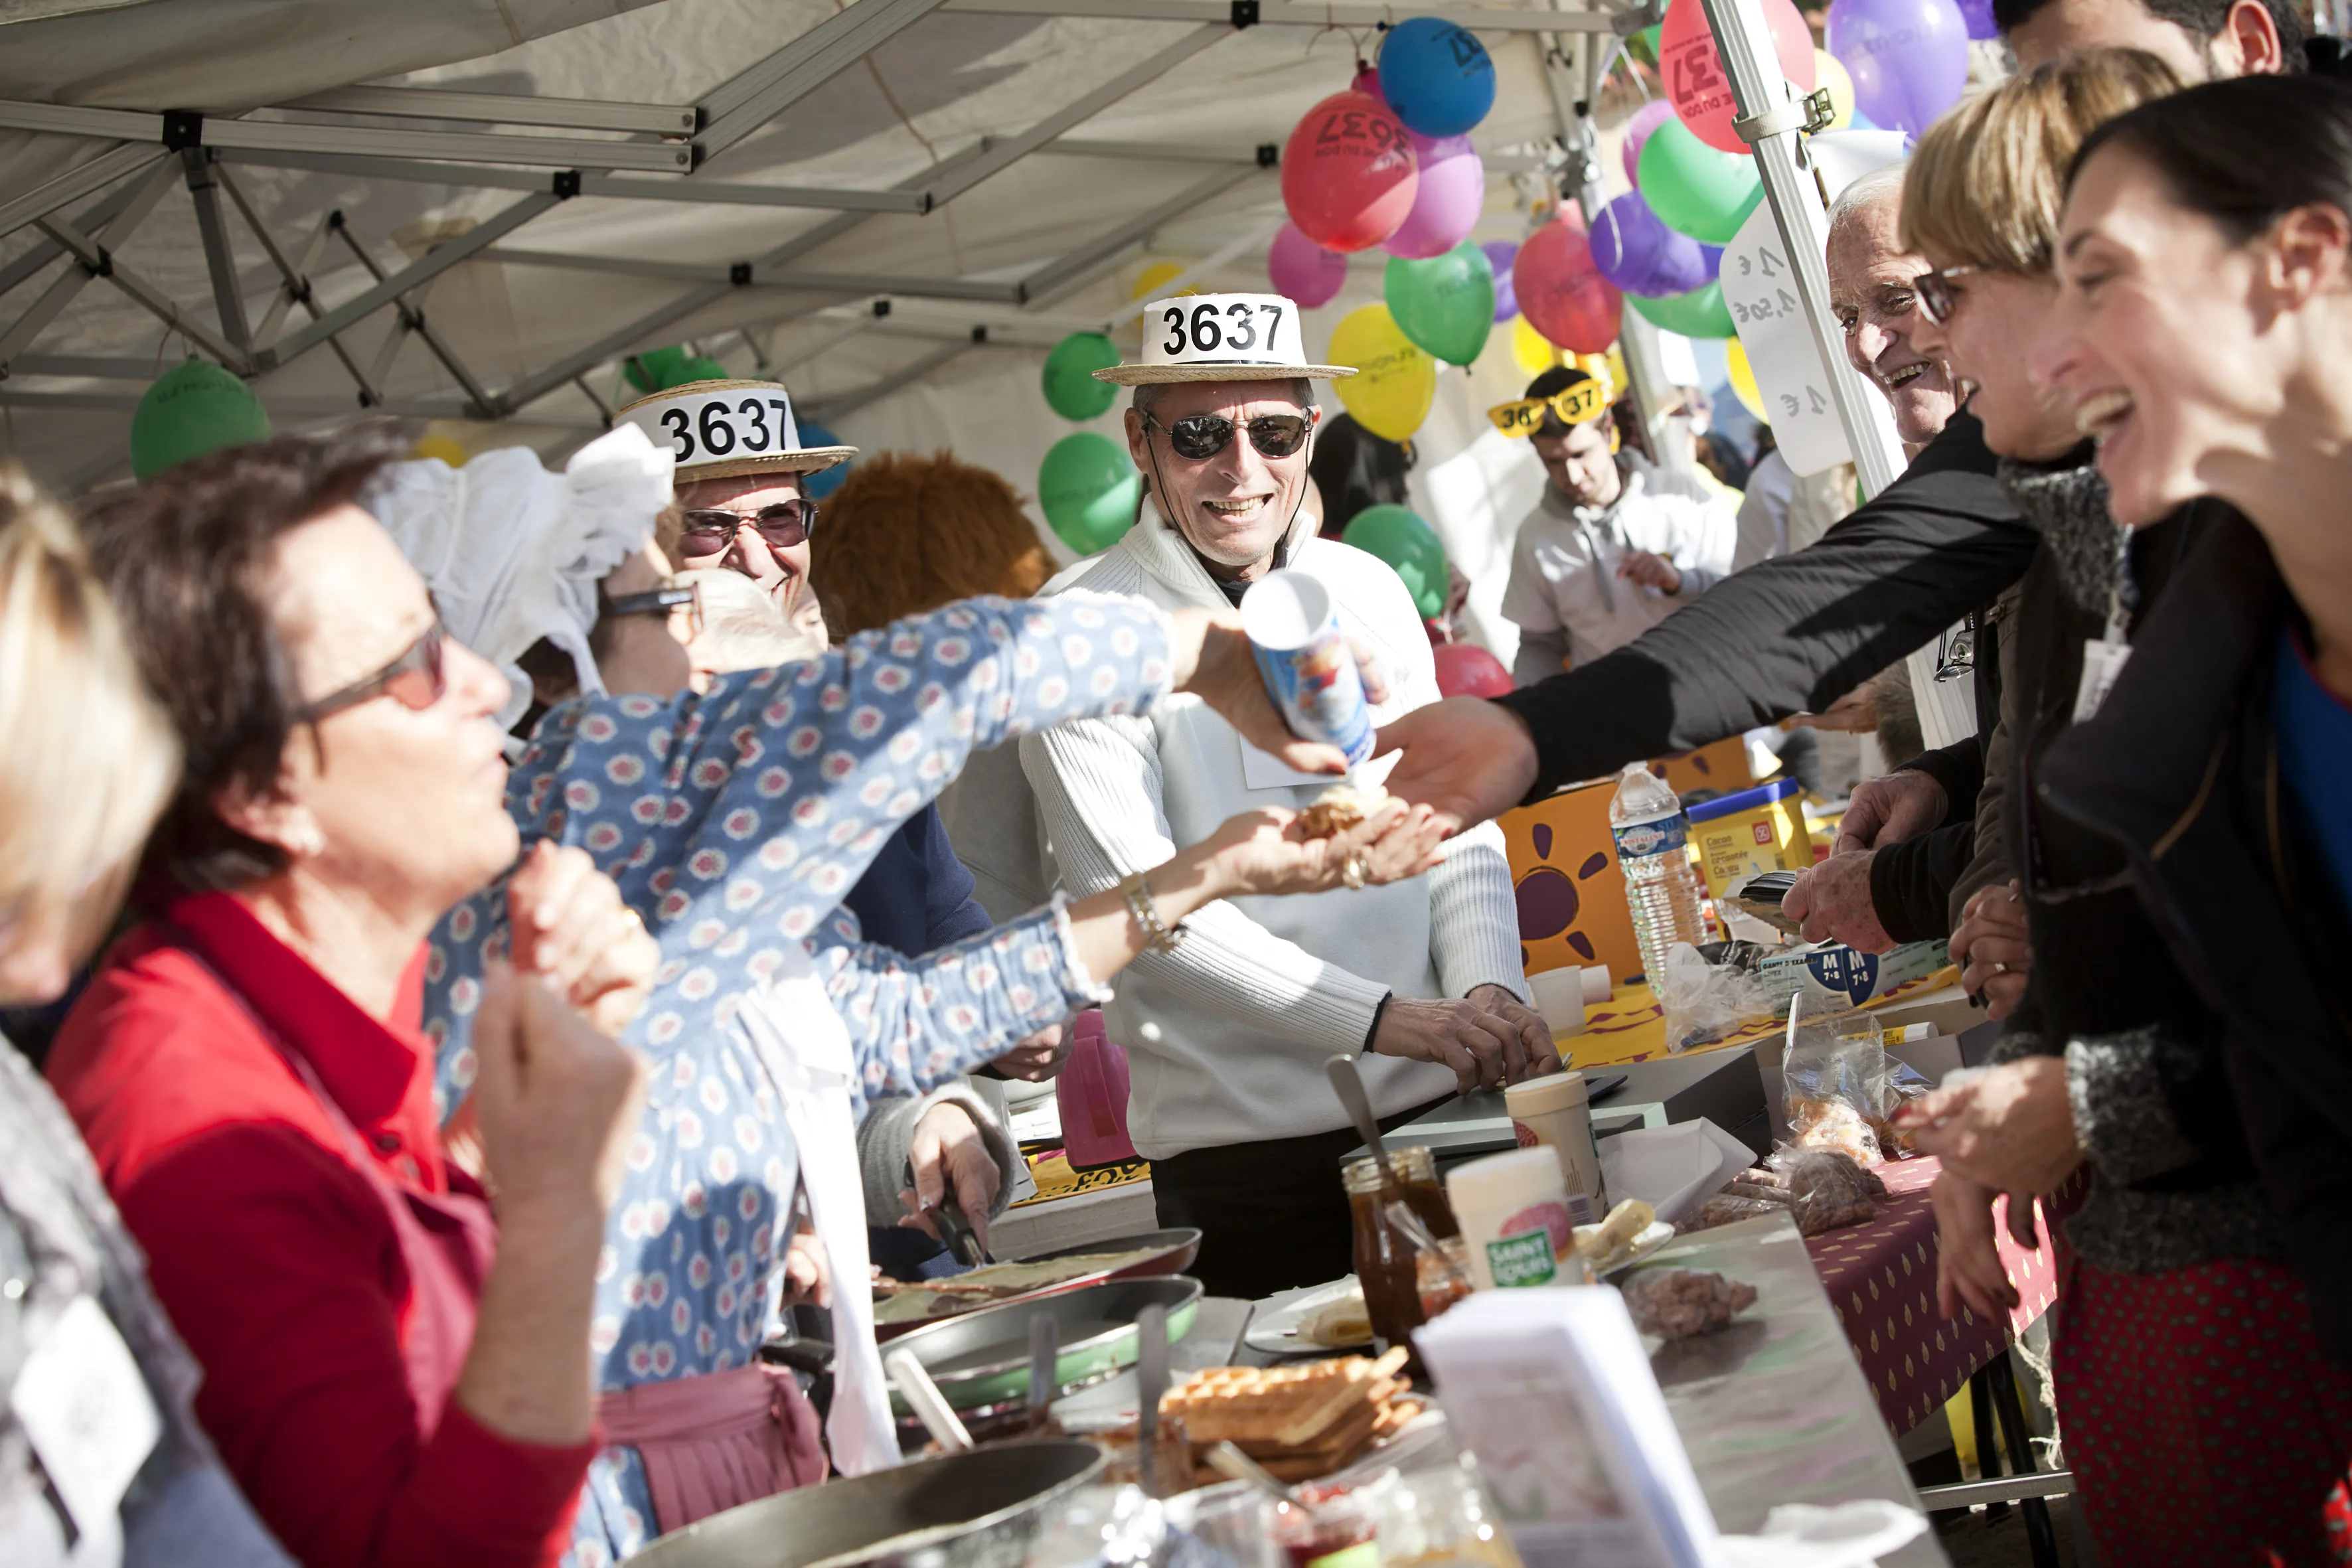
(1394, 381)
(1743, 379)
(1397, 536)
(1155, 277)
(1500, 254)
(1446, 204)
(1978, 14)
(824, 481)
(1446, 304)
(1696, 190)
(1303, 269)
(1909, 59)
(1696, 80)
(1532, 352)
(444, 447)
(1562, 292)
(1071, 389)
(1089, 489)
(1368, 82)
(1642, 256)
(1348, 174)
(655, 369)
(1437, 76)
(1712, 256)
(1828, 73)
(1466, 669)
(1645, 120)
(193, 410)
(1701, 313)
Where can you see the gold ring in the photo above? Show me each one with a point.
(1352, 871)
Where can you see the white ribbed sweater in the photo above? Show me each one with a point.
(1227, 1035)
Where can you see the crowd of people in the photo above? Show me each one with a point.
(521, 947)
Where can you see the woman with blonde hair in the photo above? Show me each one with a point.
(2194, 1397)
(86, 764)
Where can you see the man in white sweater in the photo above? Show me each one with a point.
(1228, 1033)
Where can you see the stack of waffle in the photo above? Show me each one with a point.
(1299, 1422)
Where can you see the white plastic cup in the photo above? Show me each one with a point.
(1559, 995)
(1308, 668)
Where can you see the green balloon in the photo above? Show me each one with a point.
(1445, 304)
(1701, 313)
(1071, 389)
(1090, 490)
(1397, 536)
(655, 368)
(191, 410)
(1693, 188)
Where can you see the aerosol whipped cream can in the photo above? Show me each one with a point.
(1306, 662)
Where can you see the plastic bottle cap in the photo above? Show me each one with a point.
(1542, 1096)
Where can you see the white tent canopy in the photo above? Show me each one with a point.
(490, 201)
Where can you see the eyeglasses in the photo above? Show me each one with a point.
(1580, 405)
(784, 524)
(1936, 300)
(664, 602)
(1200, 437)
(417, 681)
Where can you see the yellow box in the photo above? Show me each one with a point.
(1759, 829)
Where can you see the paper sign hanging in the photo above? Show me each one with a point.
(1761, 289)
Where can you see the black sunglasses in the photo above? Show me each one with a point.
(1936, 300)
(1200, 437)
(417, 681)
(662, 602)
(784, 524)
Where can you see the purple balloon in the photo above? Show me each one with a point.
(1303, 269)
(1711, 256)
(1447, 201)
(1978, 14)
(1908, 58)
(1639, 254)
(1646, 118)
(1500, 254)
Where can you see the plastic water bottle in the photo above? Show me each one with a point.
(1662, 887)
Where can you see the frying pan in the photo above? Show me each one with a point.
(977, 1510)
(981, 1360)
(1168, 1252)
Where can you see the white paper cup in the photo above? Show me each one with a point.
(1559, 996)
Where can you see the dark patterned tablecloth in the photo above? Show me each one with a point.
(1881, 1277)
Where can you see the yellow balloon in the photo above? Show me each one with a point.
(1617, 376)
(1828, 73)
(1597, 367)
(1394, 381)
(442, 446)
(1743, 379)
(1530, 349)
(1158, 275)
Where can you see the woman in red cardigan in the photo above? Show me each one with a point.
(391, 1377)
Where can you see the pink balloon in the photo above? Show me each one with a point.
(1562, 292)
(1646, 118)
(1446, 204)
(1347, 173)
(1303, 269)
(1466, 669)
(1368, 82)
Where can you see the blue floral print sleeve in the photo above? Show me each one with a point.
(733, 823)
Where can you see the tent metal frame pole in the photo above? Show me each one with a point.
(75, 184)
(1058, 278)
(99, 260)
(505, 109)
(1295, 14)
(753, 98)
(142, 193)
(44, 252)
(849, 402)
(295, 282)
(220, 260)
(770, 369)
(616, 187)
(1770, 118)
(819, 282)
(411, 317)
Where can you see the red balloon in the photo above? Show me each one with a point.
(1696, 81)
(1466, 669)
(1348, 175)
(1562, 292)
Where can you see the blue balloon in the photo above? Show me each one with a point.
(1437, 77)
(1632, 249)
(824, 481)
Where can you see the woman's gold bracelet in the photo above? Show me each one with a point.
(1156, 936)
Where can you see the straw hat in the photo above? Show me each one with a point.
(1222, 337)
(722, 428)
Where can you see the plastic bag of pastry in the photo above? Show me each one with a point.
(1704, 1002)
(1834, 1080)
(1727, 1208)
(1831, 1189)
(1675, 1304)
(1905, 1083)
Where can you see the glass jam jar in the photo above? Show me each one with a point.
(1385, 1256)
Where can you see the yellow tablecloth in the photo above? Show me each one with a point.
(1631, 1027)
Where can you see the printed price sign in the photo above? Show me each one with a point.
(1759, 288)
